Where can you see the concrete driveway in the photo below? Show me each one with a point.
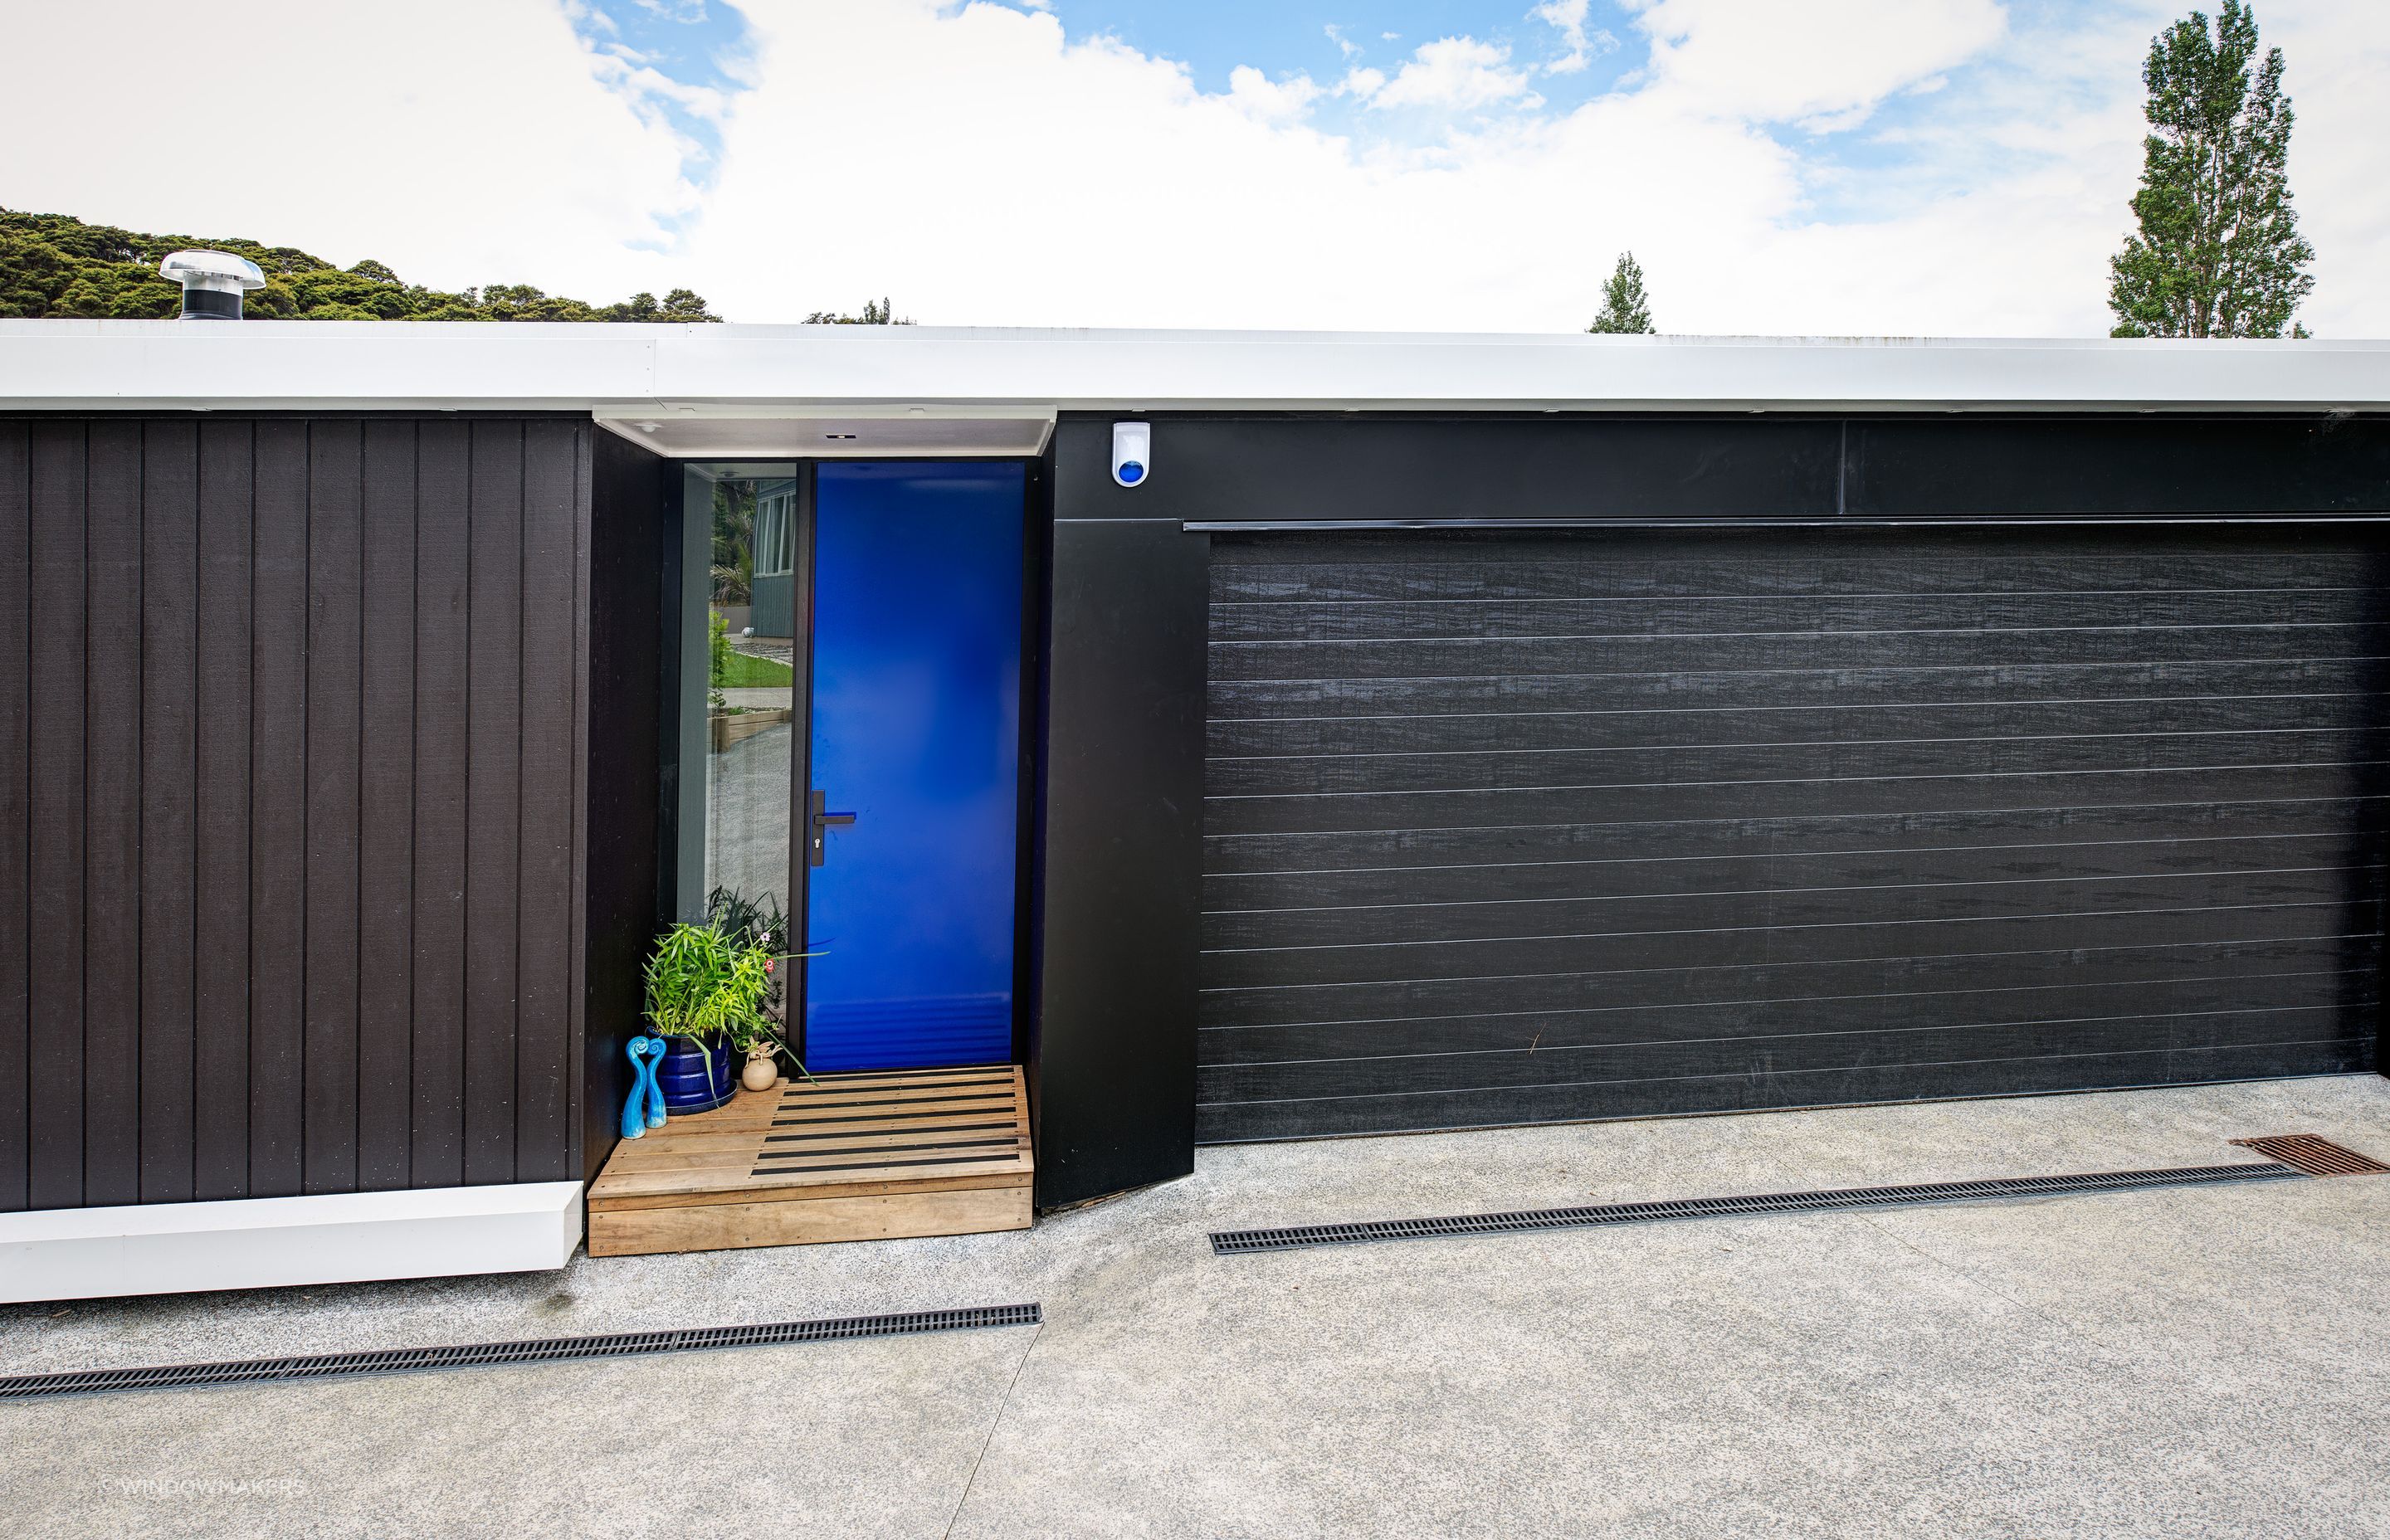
(2170, 1363)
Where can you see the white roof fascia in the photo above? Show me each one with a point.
(778, 370)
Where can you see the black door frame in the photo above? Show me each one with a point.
(800, 762)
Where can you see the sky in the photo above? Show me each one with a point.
(1784, 167)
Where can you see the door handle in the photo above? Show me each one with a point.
(816, 840)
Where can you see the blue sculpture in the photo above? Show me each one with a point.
(645, 1109)
(657, 1048)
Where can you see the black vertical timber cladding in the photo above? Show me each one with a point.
(15, 813)
(631, 615)
(169, 489)
(386, 850)
(334, 812)
(221, 845)
(249, 668)
(1121, 844)
(547, 1071)
(56, 453)
(493, 748)
(112, 887)
(443, 562)
(277, 810)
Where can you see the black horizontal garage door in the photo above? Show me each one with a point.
(1527, 828)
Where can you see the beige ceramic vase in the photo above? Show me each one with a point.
(762, 1072)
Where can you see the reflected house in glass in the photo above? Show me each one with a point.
(1439, 732)
(774, 585)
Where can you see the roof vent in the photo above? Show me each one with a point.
(213, 283)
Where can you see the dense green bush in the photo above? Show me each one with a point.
(55, 266)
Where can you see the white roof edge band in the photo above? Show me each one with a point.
(996, 373)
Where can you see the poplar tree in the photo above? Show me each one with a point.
(2218, 251)
(1625, 306)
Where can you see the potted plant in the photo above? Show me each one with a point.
(758, 922)
(706, 991)
(763, 1048)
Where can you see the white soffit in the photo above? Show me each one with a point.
(933, 433)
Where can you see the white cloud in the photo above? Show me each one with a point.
(1362, 81)
(1272, 101)
(1820, 60)
(1344, 45)
(1567, 17)
(1456, 74)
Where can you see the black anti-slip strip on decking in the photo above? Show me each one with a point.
(1009, 1141)
(620, 1344)
(855, 1133)
(886, 1117)
(761, 1170)
(1292, 1236)
(903, 1077)
(932, 1103)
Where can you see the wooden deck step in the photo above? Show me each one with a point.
(850, 1157)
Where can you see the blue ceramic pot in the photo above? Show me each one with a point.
(694, 1080)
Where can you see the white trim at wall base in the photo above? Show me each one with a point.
(269, 1243)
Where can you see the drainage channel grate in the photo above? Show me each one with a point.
(1292, 1236)
(2314, 1155)
(620, 1344)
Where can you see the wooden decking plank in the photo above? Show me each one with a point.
(855, 1217)
(767, 1194)
(722, 1179)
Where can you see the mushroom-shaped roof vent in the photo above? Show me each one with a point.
(217, 270)
(213, 283)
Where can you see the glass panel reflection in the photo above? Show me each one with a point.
(751, 699)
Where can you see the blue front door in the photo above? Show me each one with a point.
(915, 734)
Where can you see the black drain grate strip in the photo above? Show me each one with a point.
(620, 1344)
(1292, 1236)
